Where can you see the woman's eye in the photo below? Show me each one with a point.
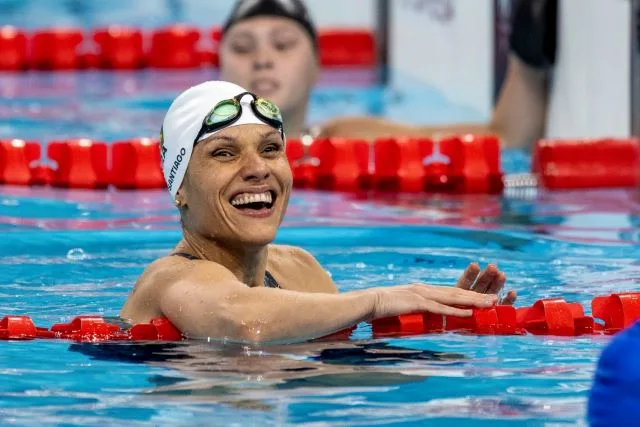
(273, 148)
(284, 45)
(241, 49)
(242, 42)
(222, 153)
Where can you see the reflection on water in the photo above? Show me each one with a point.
(231, 373)
(363, 381)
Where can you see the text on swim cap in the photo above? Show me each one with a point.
(176, 165)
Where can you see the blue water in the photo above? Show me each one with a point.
(69, 252)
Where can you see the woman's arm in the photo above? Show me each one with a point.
(518, 119)
(210, 302)
(375, 127)
(520, 115)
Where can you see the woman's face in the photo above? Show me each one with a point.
(271, 57)
(237, 186)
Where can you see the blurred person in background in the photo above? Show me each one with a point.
(271, 48)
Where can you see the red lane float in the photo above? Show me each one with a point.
(599, 163)
(497, 320)
(347, 48)
(17, 328)
(461, 164)
(303, 166)
(56, 49)
(555, 317)
(343, 164)
(175, 47)
(82, 163)
(136, 164)
(474, 164)
(158, 329)
(42, 175)
(216, 37)
(406, 324)
(618, 311)
(16, 156)
(88, 329)
(13, 45)
(552, 316)
(120, 48)
(398, 164)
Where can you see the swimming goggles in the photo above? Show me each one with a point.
(228, 111)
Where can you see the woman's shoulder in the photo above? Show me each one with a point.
(296, 267)
(160, 275)
(287, 250)
(172, 268)
(142, 302)
(290, 254)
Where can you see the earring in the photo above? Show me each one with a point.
(177, 202)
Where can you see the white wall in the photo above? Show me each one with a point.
(592, 92)
(345, 13)
(441, 59)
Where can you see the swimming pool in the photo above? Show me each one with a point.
(70, 252)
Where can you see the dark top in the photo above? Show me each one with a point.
(534, 27)
(269, 280)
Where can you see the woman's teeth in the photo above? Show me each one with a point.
(247, 198)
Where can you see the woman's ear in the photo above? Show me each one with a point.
(180, 200)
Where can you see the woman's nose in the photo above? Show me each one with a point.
(255, 168)
(263, 59)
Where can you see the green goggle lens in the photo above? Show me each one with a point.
(268, 109)
(222, 112)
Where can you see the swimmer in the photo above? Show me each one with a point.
(223, 157)
(271, 48)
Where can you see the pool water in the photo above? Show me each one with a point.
(70, 252)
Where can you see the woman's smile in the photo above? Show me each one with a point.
(256, 202)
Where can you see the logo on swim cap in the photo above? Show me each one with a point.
(163, 149)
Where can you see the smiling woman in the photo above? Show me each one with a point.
(226, 169)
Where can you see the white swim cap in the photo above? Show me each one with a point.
(183, 122)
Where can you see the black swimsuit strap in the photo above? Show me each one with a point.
(269, 280)
(186, 255)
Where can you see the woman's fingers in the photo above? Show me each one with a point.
(509, 299)
(469, 276)
(486, 279)
(455, 296)
(437, 308)
(497, 285)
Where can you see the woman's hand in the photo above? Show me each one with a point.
(490, 281)
(420, 298)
